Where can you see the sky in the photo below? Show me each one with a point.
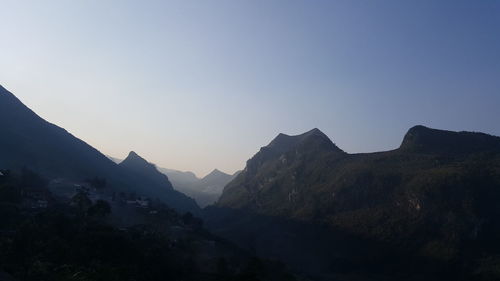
(198, 85)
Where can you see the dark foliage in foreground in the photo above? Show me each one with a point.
(62, 243)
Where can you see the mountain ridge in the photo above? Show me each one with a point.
(424, 139)
(29, 141)
(433, 199)
(139, 165)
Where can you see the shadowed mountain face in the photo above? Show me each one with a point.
(436, 197)
(426, 140)
(205, 191)
(142, 167)
(28, 141)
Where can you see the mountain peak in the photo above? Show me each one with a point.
(216, 173)
(314, 131)
(141, 166)
(135, 161)
(283, 142)
(133, 156)
(423, 139)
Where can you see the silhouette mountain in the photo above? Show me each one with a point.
(179, 178)
(215, 181)
(28, 141)
(422, 139)
(206, 190)
(139, 165)
(434, 197)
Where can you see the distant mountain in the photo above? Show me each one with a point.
(116, 160)
(215, 181)
(435, 197)
(206, 190)
(180, 178)
(28, 141)
(140, 166)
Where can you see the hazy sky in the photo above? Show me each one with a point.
(197, 85)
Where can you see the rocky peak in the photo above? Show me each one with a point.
(423, 139)
(283, 143)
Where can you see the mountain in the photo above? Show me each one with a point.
(275, 172)
(206, 190)
(434, 198)
(426, 140)
(215, 181)
(180, 178)
(28, 141)
(116, 160)
(140, 166)
(135, 164)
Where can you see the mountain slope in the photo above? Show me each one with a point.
(140, 166)
(215, 181)
(179, 177)
(274, 177)
(436, 196)
(27, 140)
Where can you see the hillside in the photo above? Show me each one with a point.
(434, 197)
(80, 240)
(28, 141)
(205, 191)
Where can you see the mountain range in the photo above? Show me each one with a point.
(427, 210)
(205, 191)
(434, 198)
(28, 141)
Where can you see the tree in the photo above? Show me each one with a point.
(101, 208)
(81, 201)
(222, 268)
(32, 179)
(97, 182)
(189, 219)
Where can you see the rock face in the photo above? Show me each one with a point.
(273, 180)
(433, 197)
(28, 141)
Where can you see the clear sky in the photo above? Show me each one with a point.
(197, 85)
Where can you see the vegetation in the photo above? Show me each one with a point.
(435, 198)
(74, 242)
